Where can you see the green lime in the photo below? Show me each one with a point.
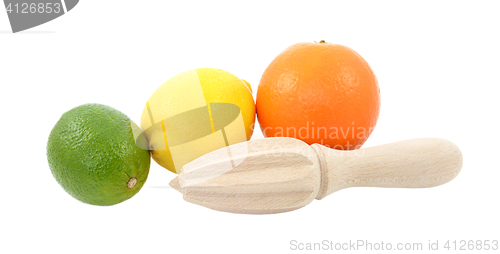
(93, 155)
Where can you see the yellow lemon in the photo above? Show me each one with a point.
(196, 112)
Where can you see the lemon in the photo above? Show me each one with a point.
(196, 112)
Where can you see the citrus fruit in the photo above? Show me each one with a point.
(320, 93)
(196, 112)
(93, 155)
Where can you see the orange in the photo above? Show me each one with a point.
(319, 93)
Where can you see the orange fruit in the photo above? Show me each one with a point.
(319, 93)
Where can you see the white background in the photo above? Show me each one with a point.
(438, 68)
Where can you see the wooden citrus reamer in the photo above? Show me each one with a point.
(276, 175)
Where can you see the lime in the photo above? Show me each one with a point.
(93, 155)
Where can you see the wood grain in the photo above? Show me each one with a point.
(275, 175)
(416, 163)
